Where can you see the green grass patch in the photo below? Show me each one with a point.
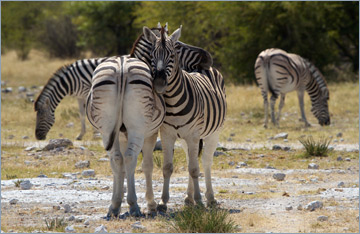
(198, 219)
(316, 148)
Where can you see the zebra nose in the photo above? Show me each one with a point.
(39, 135)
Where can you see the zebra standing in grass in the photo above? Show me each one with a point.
(195, 110)
(123, 107)
(279, 72)
(73, 80)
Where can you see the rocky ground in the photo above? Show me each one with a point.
(259, 199)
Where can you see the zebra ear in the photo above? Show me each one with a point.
(159, 25)
(166, 28)
(149, 35)
(176, 35)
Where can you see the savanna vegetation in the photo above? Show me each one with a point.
(326, 33)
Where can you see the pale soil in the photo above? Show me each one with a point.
(256, 201)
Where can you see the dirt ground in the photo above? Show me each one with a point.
(256, 201)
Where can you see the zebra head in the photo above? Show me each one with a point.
(321, 109)
(44, 118)
(164, 58)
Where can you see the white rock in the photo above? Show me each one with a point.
(82, 164)
(279, 176)
(137, 225)
(103, 160)
(89, 172)
(13, 201)
(341, 184)
(87, 222)
(67, 208)
(30, 148)
(288, 208)
(26, 185)
(70, 229)
(314, 205)
(313, 166)
(100, 229)
(283, 135)
(299, 207)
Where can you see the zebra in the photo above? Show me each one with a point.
(124, 108)
(279, 72)
(195, 112)
(74, 80)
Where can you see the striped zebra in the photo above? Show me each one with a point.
(279, 72)
(123, 107)
(195, 111)
(73, 80)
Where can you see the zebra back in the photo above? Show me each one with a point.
(73, 79)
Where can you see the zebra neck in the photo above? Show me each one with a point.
(313, 89)
(142, 51)
(175, 87)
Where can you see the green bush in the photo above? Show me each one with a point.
(316, 148)
(198, 219)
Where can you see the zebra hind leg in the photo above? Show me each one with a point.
(272, 106)
(281, 105)
(189, 199)
(81, 103)
(266, 110)
(117, 166)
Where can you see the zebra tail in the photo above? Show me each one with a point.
(105, 103)
(267, 65)
(200, 147)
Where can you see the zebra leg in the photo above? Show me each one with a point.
(300, 94)
(281, 105)
(189, 200)
(207, 159)
(272, 106)
(193, 165)
(117, 166)
(135, 143)
(266, 110)
(167, 142)
(147, 167)
(81, 103)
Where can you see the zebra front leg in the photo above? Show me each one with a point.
(272, 107)
(81, 103)
(147, 167)
(281, 105)
(193, 166)
(117, 166)
(207, 159)
(135, 143)
(167, 142)
(300, 94)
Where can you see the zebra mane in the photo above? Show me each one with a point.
(141, 36)
(162, 35)
(58, 72)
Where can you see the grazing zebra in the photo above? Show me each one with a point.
(195, 110)
(123, 107)
(279, 72)
(74, 80)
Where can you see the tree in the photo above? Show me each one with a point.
(106, 28)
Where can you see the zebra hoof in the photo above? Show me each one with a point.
(161, 208)
(212, 204)
(189, 201)
(112, 213)
(135, 211)
(79, 138)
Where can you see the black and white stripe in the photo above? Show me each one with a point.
(195, 110)
(279, 72)
(73, 80)
(123, 107)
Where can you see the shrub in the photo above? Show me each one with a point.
(198, 219)
(316, 148)
(56, 224)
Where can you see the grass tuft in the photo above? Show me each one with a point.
(198, 219)
(316, 148)
(56, 224)
(17, 183)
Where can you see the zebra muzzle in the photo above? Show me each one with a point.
(160, 85)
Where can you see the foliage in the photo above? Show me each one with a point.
(198, 219)
(105, 28)
(326, 33)
(17, 183)
(316, 148)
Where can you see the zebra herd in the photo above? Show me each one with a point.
(170, 87)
